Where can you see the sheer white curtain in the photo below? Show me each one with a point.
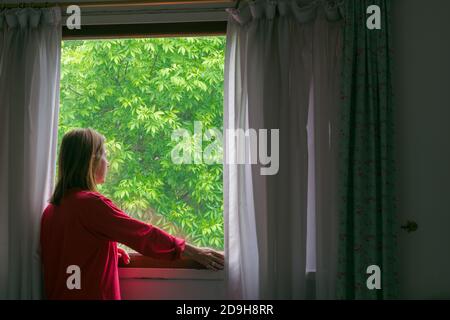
(30, 45)
(281, 72)
(324, 107)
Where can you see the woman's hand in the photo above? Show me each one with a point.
(124, 255)
(210, 258)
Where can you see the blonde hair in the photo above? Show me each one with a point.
(79, 156)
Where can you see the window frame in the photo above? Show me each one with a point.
(150, 30)
(138, 260)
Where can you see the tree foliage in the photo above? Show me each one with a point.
(136, 92)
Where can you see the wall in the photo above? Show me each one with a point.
(421, 37)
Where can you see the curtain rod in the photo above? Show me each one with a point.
(121, 3)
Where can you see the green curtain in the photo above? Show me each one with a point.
(367, 201)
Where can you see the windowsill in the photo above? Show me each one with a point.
(142, 267)
(140, 261)
(171, 274)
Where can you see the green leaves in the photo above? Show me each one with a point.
(136, 92)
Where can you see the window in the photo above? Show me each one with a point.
(137, 93)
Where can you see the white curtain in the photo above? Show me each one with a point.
(282, 72)
(325, 130)
(30, 45)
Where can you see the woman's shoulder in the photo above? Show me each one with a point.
(79, 195)
(89, 195)
(93, 198)
(48, 210)
(92, 205)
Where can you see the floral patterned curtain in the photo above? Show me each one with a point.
(368, 224)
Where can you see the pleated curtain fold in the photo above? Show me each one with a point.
(282, 72)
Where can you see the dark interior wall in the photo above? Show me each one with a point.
(421, 38)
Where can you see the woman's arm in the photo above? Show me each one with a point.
(103, 219)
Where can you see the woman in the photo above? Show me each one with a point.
(80, 228)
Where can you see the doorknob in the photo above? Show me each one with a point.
(410, 226)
